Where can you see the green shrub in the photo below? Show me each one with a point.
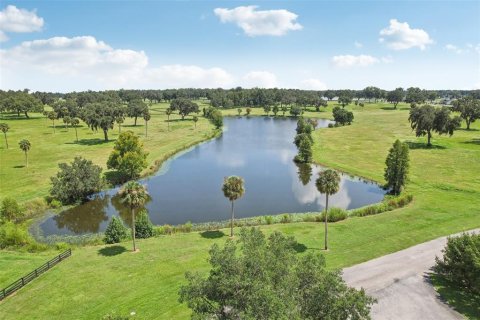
(334, 215)
(115, 231)
(286, 218)
(34, 207)
(460, 263)
(12, 235)
(331, 125)
(10, 210)
(55, 204)
(143, 226)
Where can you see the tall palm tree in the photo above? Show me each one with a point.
(25, 146)
(52, 115)
(134, 195)
(75, 122)
(146, 117)
(168, 112)
(233, 189)
(328, 182)
(4, 128)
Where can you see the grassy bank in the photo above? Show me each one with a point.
(99, 279)
(49, 149)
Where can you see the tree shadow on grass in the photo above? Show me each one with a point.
(389, 108)
(112, 251)
(89, 142)
(420, 145)
(132, 125)
(300, 247)
(473, 141)
(212, 234)
(468, 130)
(464, 302)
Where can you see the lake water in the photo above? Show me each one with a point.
(188, 186)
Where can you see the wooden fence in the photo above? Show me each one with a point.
(32, 275)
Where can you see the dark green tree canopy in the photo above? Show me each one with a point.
(260, 278)
(469, 109)
(397, 165)
(396, 96)
(101, 115)
(74, 182)
(427, 119)
(342, 116)
(136, 108)
(184, 106)
(128, 155)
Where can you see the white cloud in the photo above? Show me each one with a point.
(358, 44)
(261, 79)
(346, 61)
(81, 63)
(453, 48)
(17, 20)
(313, 84)
(260, 22)
(399, 36)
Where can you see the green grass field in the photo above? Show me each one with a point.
(49, 149)
(99, 279)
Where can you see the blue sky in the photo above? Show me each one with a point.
(63, 46)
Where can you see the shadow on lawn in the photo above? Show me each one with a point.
(112, 251)
(466, 303)
(473, 141)
(89, 142)
(212, 234)
(421, 145)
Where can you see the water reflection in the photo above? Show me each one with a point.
(187, 188)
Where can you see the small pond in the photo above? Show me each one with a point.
(188, 186)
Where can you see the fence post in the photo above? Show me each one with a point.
(23, 282)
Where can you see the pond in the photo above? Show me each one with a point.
(188, 186)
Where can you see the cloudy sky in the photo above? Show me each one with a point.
(65, 46)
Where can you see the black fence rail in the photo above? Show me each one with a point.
(32, 275)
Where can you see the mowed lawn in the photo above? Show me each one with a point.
(445, 182)
(49, 149)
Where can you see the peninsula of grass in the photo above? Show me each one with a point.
(97, 280)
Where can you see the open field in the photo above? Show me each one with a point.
(49, 149)
(97, 280)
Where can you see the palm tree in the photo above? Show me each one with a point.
(119, 120)
(52, 115)
(25, 146)
(4, 128)
(134, 195)
(75, 122)
(233, 189)
(146, 117)
(328, 182)
(168, 112)
(195, 120)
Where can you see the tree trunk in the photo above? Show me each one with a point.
(395, 105)
(26, 159)
(6, 141)
(53, 126)
(429, 136)
(326, 224)
(146, 129)
(467, 120)
(133, 229)
(26, 115)
(105, 134)
(76, 134)
(231, 221)
(135, 121)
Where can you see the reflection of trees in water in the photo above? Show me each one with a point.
(304, 172)
(124, 211)
(85, 218)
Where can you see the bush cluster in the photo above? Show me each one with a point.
(10, 210)
(390, 203)
(115, 232)
(342, 116)
(143, 226)
(334, 215)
